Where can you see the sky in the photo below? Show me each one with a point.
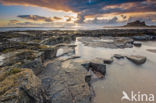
(61, 13)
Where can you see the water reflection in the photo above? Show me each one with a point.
(122, 74)
(1, 59)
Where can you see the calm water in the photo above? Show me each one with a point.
(81, 27)
(4, 29)
(122, 75)
(1, 59)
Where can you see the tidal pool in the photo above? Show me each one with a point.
(1, 59)
(122, 75)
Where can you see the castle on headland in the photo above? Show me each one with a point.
(136, 23)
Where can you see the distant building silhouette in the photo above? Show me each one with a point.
(136, 23)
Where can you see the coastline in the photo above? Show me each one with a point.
(36, 51)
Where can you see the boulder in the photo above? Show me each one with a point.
(108, 61)
(118, 56)
(137, 59)
(123, 42)
(137, 44)
(21, 86)
(98, 69)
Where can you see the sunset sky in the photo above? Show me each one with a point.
(60, 13)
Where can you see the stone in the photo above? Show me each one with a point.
(137, 59)
(21, 86)
(88, 79)
(65, 82)
(137, 44)
(108, 61)
(118, 56)
(98, 69)
(143, 38)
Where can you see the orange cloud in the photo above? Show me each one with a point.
(51, 4)
(84, 9)
(40, 18)
(13, 21)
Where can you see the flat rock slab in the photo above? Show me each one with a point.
(108, 42)
(21, 86)
(137, 59)
(118, 56)
(65, 82)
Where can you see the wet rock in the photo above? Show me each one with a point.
(137, 59)
(88, 79)
(86, 66)
(66, 82)
(108, 42)
(49, 53)
(21, 86)
(152, 50)
(142, 38)
(36, 65)
(22, 55)
(123, 42)
(108, 61)
(58, 39)
(137, 44)
(98, 69)
(118, 56)
(73, 46)
(46, 82)
(70, 58)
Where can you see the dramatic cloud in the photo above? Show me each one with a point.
(39, 18)
(119, 8)
(51, 4)
(13, 21)
(26, 23)
(46, 24)
(85, 8)
(88, 7)
(150, 19)
(112, 21)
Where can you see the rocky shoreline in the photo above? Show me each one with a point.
(31, 71)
